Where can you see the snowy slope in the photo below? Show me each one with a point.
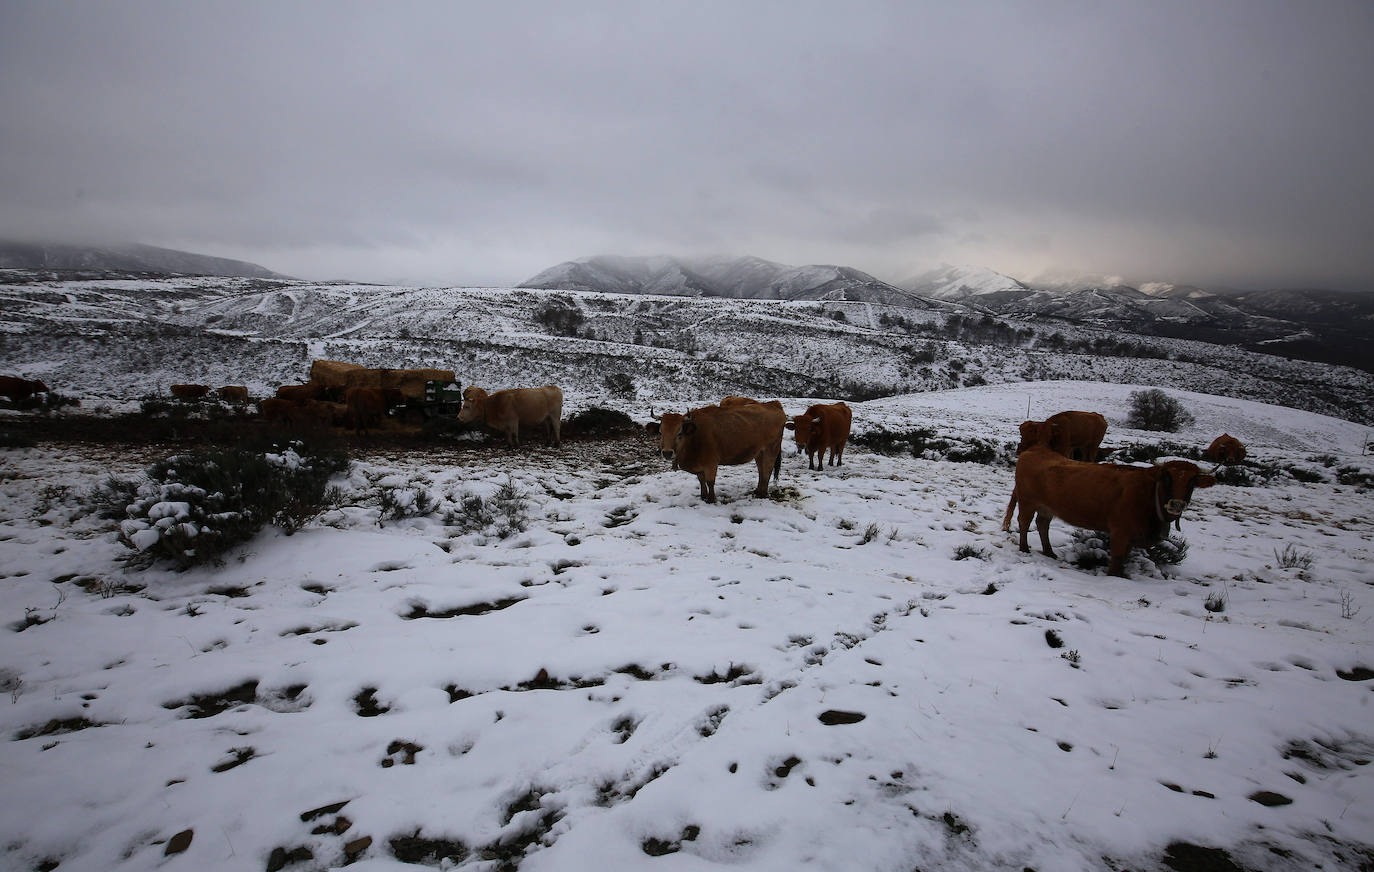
(642, 681)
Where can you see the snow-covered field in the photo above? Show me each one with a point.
(642, 681)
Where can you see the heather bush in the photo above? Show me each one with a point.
(1153, 409)
(191, 508)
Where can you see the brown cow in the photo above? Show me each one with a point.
(1226, 449)
(710, 437)
(509, 410)
(189, 392)
(1065, 433)
(301, 393)
(733, 400)
(1133, 505)
(17, 389)
(1075, 435)
(233, 393)
(822, 426)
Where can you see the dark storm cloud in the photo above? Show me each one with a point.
(1203, 142)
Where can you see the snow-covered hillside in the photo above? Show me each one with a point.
(115, 341)
(862, 672)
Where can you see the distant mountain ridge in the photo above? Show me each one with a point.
(129, 257)
(741, 278)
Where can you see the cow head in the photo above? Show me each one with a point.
(1174, 485)
(1037, 433)
(38, 387)
(672, 427)
(804, 427)
(474, 405)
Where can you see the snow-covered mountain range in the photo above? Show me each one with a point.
(1312, 324)
(741, 278)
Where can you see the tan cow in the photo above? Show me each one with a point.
(705, 439)
(821, 427)
(1226, 450)
(17, 389)
(1133, 505)
(1075, 435)
(233, 393)
(509, 410)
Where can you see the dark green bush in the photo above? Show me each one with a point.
(599, 421)
(191, 508)
(1153, 409)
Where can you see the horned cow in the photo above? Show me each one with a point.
(508, 410)
(705, 439)
(820, 428)
(1134, 505)
(17, 389)
(1226, 449)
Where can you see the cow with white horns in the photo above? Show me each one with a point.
(705, 439)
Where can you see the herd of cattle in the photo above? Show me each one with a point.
(1057, 473)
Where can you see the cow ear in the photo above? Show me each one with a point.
(652, 427)
(1204, 479)
(789, 426)
(816, 421)
(688, 427)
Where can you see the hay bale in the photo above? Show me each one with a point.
(411, 382)
(333, 373)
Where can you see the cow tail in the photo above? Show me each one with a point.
(777, 465)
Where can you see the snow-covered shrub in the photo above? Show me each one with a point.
(1306, 474)
(1153, 409)
(1354, 476)
(1169, 551)
(506, 512)
(1090, 551)
(409, 501)
(193, 507)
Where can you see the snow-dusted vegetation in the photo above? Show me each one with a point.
(563, 660)
(124, 339)
(482, 658)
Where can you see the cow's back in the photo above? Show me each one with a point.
(526, 406)
(739, 434)
(1082, 494)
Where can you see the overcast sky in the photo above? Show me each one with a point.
(1215, 142)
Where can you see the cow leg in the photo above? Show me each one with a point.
(1006, 519)
(1121, 546)
(513, 435)
(706, 491)
(765, 465)
(1042, 524)
(1024, 526)
(556, 426)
